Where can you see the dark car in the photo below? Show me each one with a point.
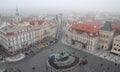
(83, 62)
(53, 41)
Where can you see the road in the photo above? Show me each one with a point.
(39, 61)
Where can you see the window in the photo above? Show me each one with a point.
(9, 44)
(107, 36)
(102, 46)
(118, 49)
(117, 44)
(114, 44)
(8, 39)
(103, 41)
(103, 35)
(115, 49)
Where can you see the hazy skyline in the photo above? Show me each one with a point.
(85, 5)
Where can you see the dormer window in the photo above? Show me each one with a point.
(91, 34)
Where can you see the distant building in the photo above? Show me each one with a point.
(116, 45)
(116, 28)
(84, 35)
(106, 35)
(59, 21)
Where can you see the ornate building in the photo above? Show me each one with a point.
(14, 38)
(116, 45)
(84, 35)
(106, 35)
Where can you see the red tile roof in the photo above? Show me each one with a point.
(115, 26)
(40, 22)
(98, 25)
(10, 33)
(87, 26)
(32, 22)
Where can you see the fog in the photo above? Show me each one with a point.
(82, 5)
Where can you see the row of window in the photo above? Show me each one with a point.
(118, 45)
(105, 36)
(103, 41)
(116, 49)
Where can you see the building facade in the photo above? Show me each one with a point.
(83, 35)
(14, 38)
(106, 35)
(116, 45)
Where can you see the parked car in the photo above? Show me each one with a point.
(42, 46)
(83, 62)
(54, 41)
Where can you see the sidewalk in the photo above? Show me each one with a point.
(15, 58)
(100, 53)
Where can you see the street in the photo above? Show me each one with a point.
(39, 61)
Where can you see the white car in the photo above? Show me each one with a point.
(1, 57)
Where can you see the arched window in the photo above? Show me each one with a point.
(118, 49)
(115, 49)
(117, 44)
(114, 44)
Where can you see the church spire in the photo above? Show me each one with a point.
(17, 14)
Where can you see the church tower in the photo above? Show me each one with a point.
(17, 15)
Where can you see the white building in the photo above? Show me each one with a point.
(116, 45)
(106, 35)
(16, 38)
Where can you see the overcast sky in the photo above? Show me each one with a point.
(91, 5)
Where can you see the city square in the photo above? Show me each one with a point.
(59, 36)
(39, 61)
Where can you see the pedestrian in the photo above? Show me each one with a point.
(104, 56)
(108, 68)
(51, 49)
(115, 64)
(73, 52)
(101, 64)
(33, 68)
(46, 67)
(19, 70)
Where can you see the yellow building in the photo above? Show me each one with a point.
(106, 35)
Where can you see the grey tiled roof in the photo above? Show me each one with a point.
(10, 28)
(107, 26)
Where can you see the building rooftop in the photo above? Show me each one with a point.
(10, 29)
(117, 37)
(107, 26)
(87, 26)
(116, 26)
(33, 22)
